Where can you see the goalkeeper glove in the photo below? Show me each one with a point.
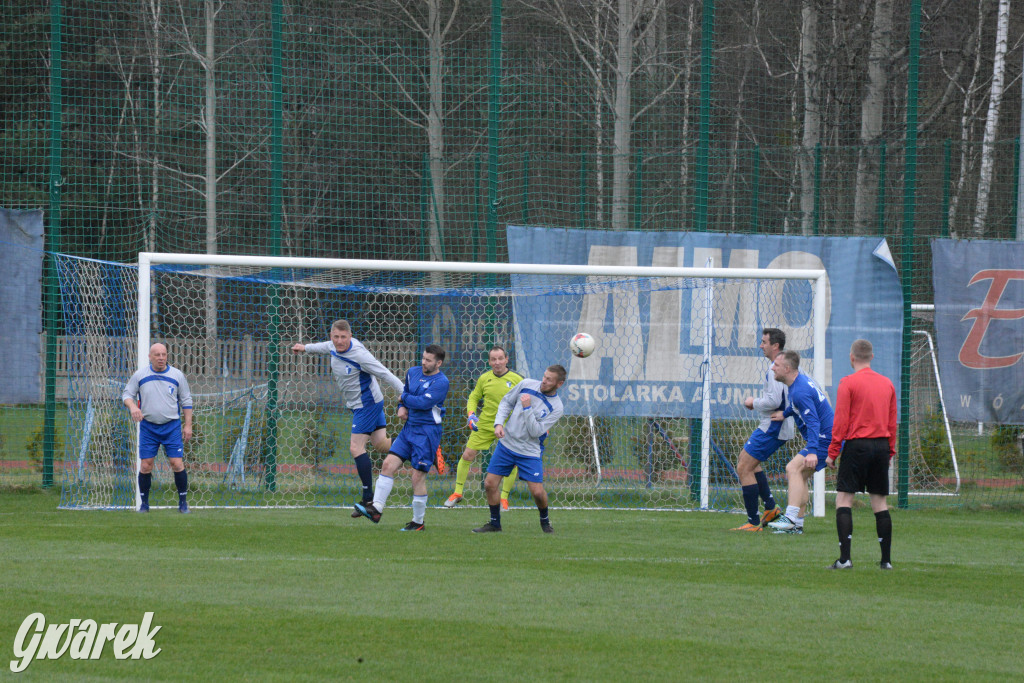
(473, 420)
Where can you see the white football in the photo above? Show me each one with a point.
(582, 345)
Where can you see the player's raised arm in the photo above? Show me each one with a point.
(369, 364)
(321, 348)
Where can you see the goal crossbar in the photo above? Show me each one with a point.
(819, 278)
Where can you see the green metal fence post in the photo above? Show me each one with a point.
(51, 303)
(817, 188)
(906, 274)
(493, 129)
(476, 205)
(880, 201)
(947, 160)
(755, 191)
(638, 190)
(526, 187)
(1016, 184)
(583, 190)
(276, 216)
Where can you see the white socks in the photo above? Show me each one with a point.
(381, 491)
(419, 508)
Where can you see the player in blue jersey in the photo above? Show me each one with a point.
(765, 440)
(159, 399)
(422, 408)
(356, 372)
(809, 407)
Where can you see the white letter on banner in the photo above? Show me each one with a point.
(624, 342)
(734, 302)
(664, 362)
(799, 337)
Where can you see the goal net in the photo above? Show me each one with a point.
(654, 419)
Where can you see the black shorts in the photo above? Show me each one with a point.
(864, 465)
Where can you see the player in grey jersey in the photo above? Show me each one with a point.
(525, 414)
(356, 373)
(158, 397)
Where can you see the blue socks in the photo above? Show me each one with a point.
(364, 466)
(496, 515)
(181, 483)
(764, 490)
(750, 503)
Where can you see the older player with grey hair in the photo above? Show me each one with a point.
(159, 399)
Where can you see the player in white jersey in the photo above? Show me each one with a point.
(356, 372)
(158, 397)
(766, 439)
(525, 414)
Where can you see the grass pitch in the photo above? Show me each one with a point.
(315, 595)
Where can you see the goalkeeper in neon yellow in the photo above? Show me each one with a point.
(481, 407)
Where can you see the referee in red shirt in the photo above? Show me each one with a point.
(865, 431)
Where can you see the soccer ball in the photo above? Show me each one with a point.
(582, 345)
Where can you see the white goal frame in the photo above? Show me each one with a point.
(817, 276)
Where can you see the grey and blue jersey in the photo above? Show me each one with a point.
(356, 372)
(161, 395)
(812, 412)
(772, 398)
(423, 396)
(525, 429)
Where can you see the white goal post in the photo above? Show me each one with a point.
(818, 314)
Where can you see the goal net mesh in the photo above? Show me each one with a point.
(270, 428)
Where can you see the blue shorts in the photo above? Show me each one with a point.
(822, 455)
(503, 460)
(760, 446)
(368, 419)
(152, 436)
(418, 445)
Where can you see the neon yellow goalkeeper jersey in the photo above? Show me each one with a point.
(489, 390)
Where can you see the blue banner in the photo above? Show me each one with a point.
(650, 343)
(21, 295)
(979, 324)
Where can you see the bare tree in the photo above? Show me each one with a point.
(602, 51)
(995, 100)
(812, 111)
(968, 116)
(872, 110)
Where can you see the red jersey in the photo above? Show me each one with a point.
(865, 409)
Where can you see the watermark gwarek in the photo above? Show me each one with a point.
(82, 639)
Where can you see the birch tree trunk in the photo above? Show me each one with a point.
(435, 135)
(812, 112)
(155, 8)
(684, 163)
(872, 110)
(967, 118)
(995, 100)
(621, 142)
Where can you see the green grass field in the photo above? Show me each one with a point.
(315, 595)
